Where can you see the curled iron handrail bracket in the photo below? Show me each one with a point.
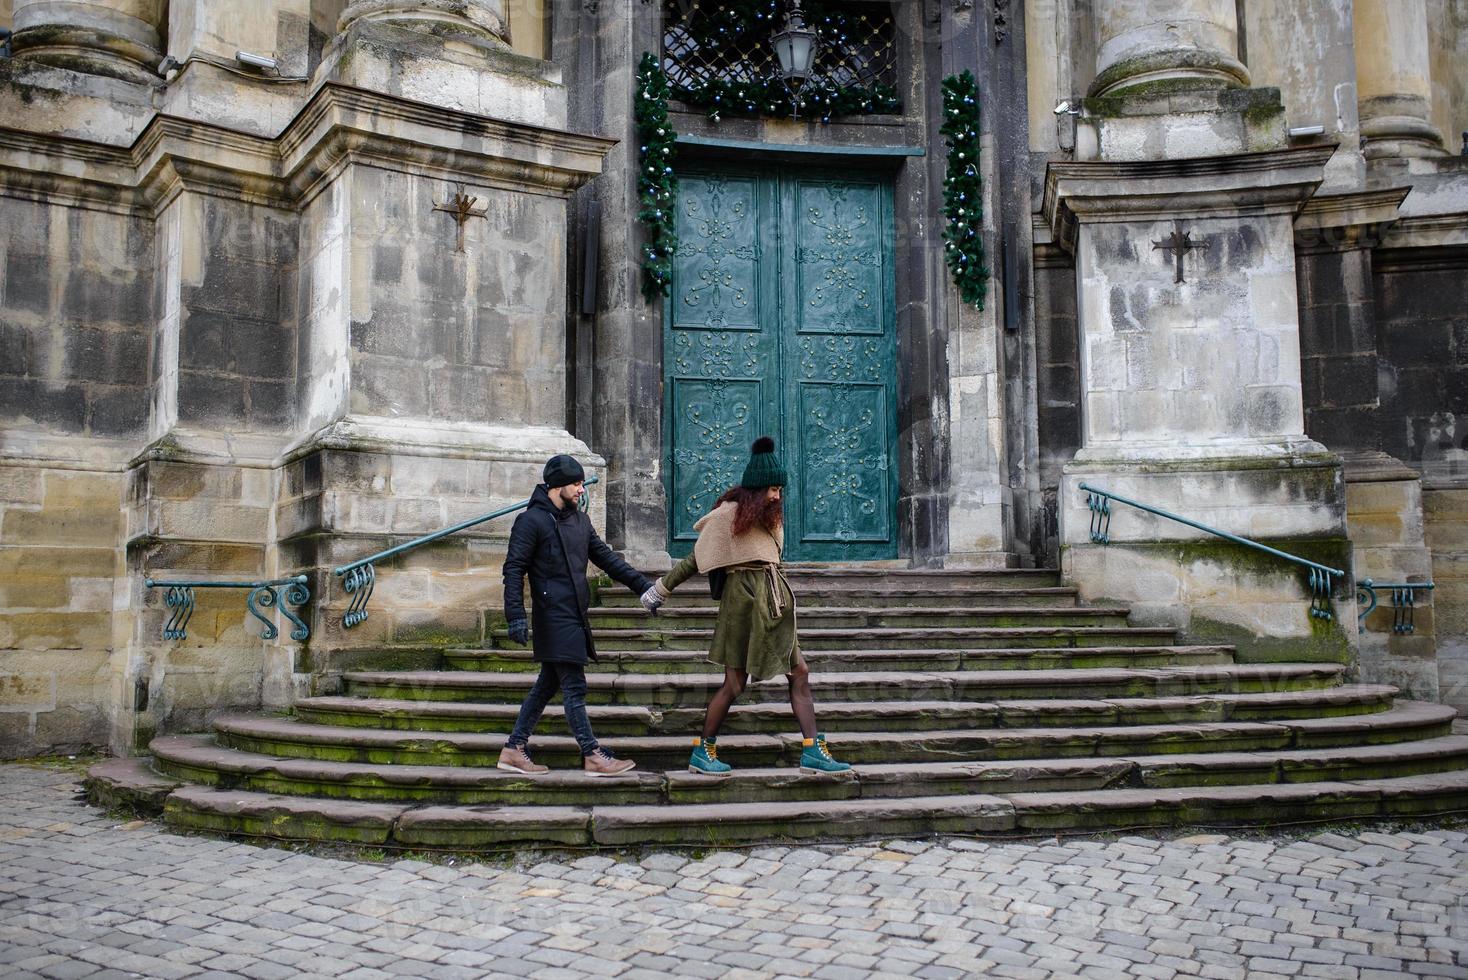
(359, 583)
(1322, 577)
(360, 576)
(180, 598)
(1404, 602)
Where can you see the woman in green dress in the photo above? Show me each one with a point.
(754, 634)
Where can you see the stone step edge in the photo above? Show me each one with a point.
(201, 752)
(1404, 715)
(1198, 649)
(806, 609)
(1311, 697)
(1065, 676)
(497, 827)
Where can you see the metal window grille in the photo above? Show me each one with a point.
(711, 41)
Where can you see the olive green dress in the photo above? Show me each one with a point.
(753, 633)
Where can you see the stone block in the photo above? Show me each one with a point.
(115, 411)
(95, 529)
(436, 627)
(56, 406)
(56, 631)
(205, 520)
(71, 728)
(117, 357)
(20, 485)
(205, 398)
(26, 691)
(66, 562)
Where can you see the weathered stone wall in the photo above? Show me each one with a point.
(1423, 349)
(75, 305)
(1058, 381)
(438, 334)
(189, 521)
(59, 560)
(236, 316)
(1445, 518)
(1338, 365)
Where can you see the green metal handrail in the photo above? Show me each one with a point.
(1321, 576)
(1404, 598)
(360, 576)
(180, 599)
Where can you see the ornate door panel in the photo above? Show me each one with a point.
(780, 321)
(840, 405)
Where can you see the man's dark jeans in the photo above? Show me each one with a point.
(570, 680)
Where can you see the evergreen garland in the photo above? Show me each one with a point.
(770, 98)
(728, 25)
(963, 189)
(657, 187)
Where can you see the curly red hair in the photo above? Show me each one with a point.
(755, 507)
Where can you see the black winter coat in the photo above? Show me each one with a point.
(553, 546)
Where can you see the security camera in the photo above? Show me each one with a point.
(1062, 107)
(257, 61)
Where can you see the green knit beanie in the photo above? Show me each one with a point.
(764, 470)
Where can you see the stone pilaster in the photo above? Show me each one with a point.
(1393, 79)
(1174, 45)
(120, 39)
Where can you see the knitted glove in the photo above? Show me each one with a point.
(651, 600)
(519, 631)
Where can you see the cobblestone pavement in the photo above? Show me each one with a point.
(86, 895)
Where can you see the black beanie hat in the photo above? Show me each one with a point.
(763, 470)
(562, 471)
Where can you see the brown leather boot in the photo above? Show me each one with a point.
(518, 760)
(601, 763)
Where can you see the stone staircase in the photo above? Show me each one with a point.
(969, 702)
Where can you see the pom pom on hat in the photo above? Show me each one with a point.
(764, 444)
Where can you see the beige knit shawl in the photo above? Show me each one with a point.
(717, 547)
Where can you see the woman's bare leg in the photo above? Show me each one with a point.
(723, 699)
(802, 702)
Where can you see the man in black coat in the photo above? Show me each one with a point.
(552, 541)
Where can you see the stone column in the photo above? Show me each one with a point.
(480, 18)
(1393, 79)
(1187, 44)
(119, 38)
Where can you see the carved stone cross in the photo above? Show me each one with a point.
(1178, 243)
(461, 206)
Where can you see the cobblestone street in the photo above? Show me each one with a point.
(87, 895)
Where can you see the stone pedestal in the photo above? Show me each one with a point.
(120, 39)
(1191, 399)
(1393, 81)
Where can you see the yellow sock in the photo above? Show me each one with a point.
(807, 742)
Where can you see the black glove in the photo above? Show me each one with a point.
(519, 631)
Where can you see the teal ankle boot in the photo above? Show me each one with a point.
(817, 758)
(705, 759)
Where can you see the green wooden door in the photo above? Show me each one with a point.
(781, 322)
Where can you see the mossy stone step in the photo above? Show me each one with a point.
(824, 661)
(813, 616)
(293, 739)
(499, 827)
(887, 638)
(694, 690)
(808, 577)
(955, 597)
(900, 715)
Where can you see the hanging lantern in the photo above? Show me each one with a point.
(795, 49)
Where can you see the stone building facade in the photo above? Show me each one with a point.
(252, 324)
